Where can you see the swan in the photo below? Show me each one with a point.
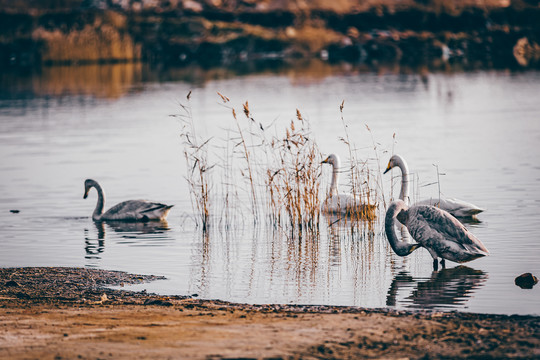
(131, 210)
(340, 203)
(435, 230)
(456, 207)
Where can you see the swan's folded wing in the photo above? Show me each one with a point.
(460, 207)
(456, 207)
(450, 228)
(134, 210)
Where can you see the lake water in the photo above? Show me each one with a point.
(113, 124)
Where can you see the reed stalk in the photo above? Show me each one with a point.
(364, 206)
(197, 162)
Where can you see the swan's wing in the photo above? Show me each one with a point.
(434, 220)
(460, 207)
(135, 210)
(455, 207)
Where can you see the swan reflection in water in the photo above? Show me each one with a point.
(447, 288)
(140, 231)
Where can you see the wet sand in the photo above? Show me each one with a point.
(67, 313)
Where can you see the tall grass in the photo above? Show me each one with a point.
(247, 157)
(267, 174)
(363, 194)
(196, 155)
(90, 44)
(293, 180)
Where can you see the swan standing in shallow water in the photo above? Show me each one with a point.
(131, 210)
(458, 208)
(345, 204)
(433, 229)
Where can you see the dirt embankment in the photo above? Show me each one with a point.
(66, 313)
(213, 33)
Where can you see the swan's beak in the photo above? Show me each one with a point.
(387, 168)
(325, 161)
(85, 194)
(414, 247)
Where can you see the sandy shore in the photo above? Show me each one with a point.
(66, 313)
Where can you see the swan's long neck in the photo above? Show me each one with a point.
(404, 193)
(100, 202)
(401, 248)
(335, 178)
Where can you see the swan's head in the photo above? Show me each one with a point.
(332, 159)
(394, 161)
(397, 209)
(88, 184)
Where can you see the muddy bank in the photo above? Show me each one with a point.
(66, 313)
(213, 34)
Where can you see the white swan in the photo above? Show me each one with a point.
(458, 208)
(344, 204)
(131, 210)
(434, 229)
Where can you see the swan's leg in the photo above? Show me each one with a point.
(434, 256)
(443, 263)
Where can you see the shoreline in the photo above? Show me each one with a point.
(61, 312)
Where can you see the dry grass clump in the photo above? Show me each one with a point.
(88, 45)
(293, 180)
(272, 178)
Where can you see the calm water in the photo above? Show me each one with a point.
(112, 124)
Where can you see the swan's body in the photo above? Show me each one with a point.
(131, 210)
(434, 229)
(456, 207)
(340, 203)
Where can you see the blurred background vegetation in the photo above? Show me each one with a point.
(212, 33)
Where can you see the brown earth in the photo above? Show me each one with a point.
(61, 313)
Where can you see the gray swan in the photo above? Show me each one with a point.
(340, 203)
(456, 207)
(433, 229)
(131, 210)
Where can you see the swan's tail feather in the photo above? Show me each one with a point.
(158, 212)
(471, 212)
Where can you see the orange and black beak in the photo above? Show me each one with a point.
(388, 168)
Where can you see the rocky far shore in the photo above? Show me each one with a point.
(498, 34)
(57, 313)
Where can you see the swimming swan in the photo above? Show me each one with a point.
(344, 204)
(131, 210)
(458, 208)
(433, 229)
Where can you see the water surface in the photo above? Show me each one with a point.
(481, 129)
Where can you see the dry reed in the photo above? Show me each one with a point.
(88, 45)
(293, 180)
(280, 175)
(197, 161)
(363, 209)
